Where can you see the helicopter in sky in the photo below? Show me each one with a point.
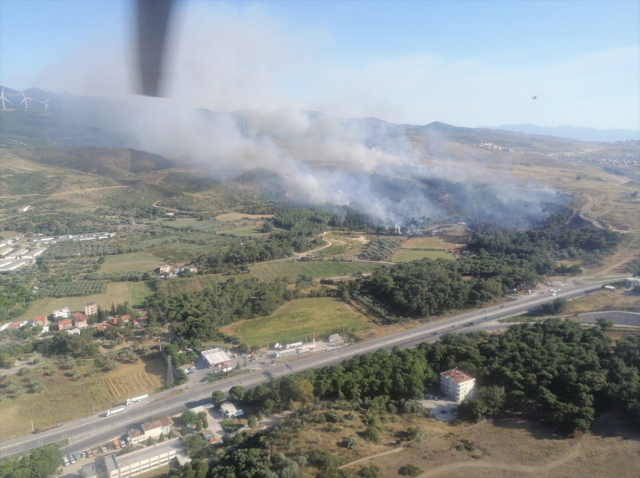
(535, 97)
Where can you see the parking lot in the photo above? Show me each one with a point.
(442, 409)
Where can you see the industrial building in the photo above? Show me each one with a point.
(215, 357)
(456, 384)
(142, 461)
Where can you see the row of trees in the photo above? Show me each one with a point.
(557, 372)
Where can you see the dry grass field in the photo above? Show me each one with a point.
(64, 399)
(604, 300)
(508, 447)
(237, 216)
(515, 448)
(117, 293)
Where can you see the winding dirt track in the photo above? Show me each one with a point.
(575, 453)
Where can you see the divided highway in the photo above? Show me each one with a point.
(91, 431)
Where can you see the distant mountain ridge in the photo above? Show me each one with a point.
(91, 122)
(573, 132)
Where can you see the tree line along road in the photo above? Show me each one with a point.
(91, 431)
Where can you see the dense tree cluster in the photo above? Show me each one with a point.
(428, 287)
(13, 300)
(198, 315)
(42, 463)
(278, 245)
(503, 260)
(558, 372)
(541, 247)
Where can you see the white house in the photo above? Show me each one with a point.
(151, 430)
(64, 313)
(230, 411)
(456, 384)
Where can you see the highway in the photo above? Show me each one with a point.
(94, 430)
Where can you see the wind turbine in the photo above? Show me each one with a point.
(3, 98)
(46, 107)
(24, 100)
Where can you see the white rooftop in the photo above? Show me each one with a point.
(215, 356)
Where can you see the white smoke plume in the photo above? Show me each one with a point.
(226, 62)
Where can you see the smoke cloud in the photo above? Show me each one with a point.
(242, 64)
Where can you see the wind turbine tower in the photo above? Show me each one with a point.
(46, 107)
(3, 98)
(24, 100)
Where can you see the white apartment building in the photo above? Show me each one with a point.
(142, 461)
(456, 384)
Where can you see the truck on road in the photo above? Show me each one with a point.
(114, 411)
(137, 399)
(284, 353)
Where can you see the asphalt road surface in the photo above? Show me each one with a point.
(91, 431)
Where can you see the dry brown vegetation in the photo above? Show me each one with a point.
(604, 300)
(64, 399)
(516, 448)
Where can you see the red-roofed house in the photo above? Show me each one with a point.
(456, 384)
(42, 321)
(141, 321)
(65, 324)
(14, 326)
(80, 320)
(101, 326)
(125, 319)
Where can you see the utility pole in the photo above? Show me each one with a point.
(169, 371)
(31, 425)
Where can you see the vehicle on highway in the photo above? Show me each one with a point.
(131, 401)
(114, 411)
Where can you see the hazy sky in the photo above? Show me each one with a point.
(466, 63)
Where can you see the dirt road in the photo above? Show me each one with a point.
(442, 470)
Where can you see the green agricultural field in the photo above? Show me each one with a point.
(407, 255)
(117, 293)
(244, 232)
(130, 262)
(269, 271)
(139, 292)
(297, 319)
